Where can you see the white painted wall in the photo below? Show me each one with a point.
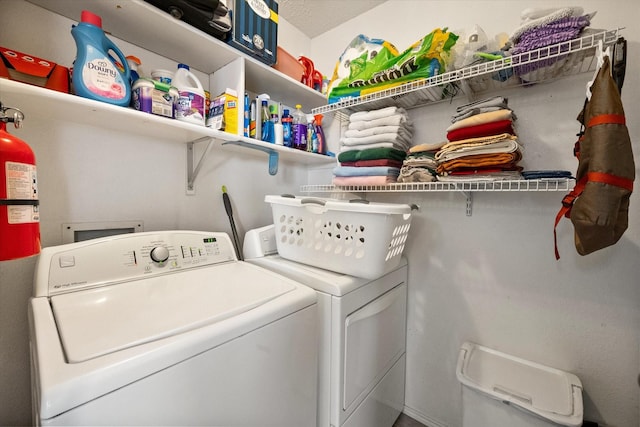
(292, 39)
(489, 278)
(492, 278)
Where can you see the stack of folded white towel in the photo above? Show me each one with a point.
(387, 127)
(385, 131)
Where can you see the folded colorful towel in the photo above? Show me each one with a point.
(378, 130)
(479, 119)
(546, 174)
(556, 32)
(482, 176)
(416, 174)
(383, 137)
(375, 162)
(365, 171)
(473, 111)
(353, 155)
(363, 180)
(427, 147)
(395, 120)
(563, 30)
(534, 18)
(504, 146)
(504, 161)
(401, 146)
(377, 114)
(486, 129)
(479, 140)
(494, 101)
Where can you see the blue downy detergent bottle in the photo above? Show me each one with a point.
(95, 74)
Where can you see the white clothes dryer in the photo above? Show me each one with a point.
(361, 365)
(169, 328)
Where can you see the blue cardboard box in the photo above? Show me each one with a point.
(255, 28)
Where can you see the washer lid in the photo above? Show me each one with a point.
(99, 321)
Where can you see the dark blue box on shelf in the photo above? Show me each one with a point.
(255, 28)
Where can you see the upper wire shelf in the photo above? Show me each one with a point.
(548, 63)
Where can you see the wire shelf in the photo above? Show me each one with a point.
(545, 64)
(465, 186)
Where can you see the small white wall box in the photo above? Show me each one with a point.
(503, 390)
(80, 231)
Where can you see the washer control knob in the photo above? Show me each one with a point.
(159, 254)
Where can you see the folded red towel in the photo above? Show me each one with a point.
(485, 129)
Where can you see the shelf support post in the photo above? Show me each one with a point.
(469, 196)
(273, 154)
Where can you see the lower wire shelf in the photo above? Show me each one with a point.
(466, 187)
(564, 184)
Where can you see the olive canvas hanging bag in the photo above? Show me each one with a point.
(598, 206)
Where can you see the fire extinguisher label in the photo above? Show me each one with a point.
(22, 184)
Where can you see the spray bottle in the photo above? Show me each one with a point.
(95, 74)
(322, 143)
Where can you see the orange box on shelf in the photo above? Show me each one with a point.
(30, 69)
(289, 65)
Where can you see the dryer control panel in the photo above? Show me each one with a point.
(127, 257)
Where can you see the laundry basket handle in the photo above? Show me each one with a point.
(312, 200)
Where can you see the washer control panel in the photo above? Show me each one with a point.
(127, 257)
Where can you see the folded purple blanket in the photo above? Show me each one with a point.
(556, 32)
(559, 31)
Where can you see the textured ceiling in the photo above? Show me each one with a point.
(314, 17)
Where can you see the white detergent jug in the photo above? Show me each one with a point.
(191, 102)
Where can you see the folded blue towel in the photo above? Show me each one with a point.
(366, 171)
(540, 174)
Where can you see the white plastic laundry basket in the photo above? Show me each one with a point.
(351, 237)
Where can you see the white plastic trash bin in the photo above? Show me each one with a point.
(502, 390)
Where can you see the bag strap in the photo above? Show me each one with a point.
(569, 199)
(565, 210)
(607, 119)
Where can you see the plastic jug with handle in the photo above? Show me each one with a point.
(95, 72)
(191, 101)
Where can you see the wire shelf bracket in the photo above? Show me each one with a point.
(193, 167)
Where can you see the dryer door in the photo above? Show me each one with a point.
(375, 337)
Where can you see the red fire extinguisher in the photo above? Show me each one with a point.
(19, 214)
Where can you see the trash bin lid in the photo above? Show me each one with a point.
(547, 392)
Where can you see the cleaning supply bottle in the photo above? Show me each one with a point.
(278, 131)
(322, 143)
(135, 68)
(247, 116)
(252, 120)
(267, 124)
(286, 128)
(191, 101)
(95, 74)
(299, 128)
(312, 138)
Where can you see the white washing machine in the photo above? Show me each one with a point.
(169, 328)
(361, 366)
